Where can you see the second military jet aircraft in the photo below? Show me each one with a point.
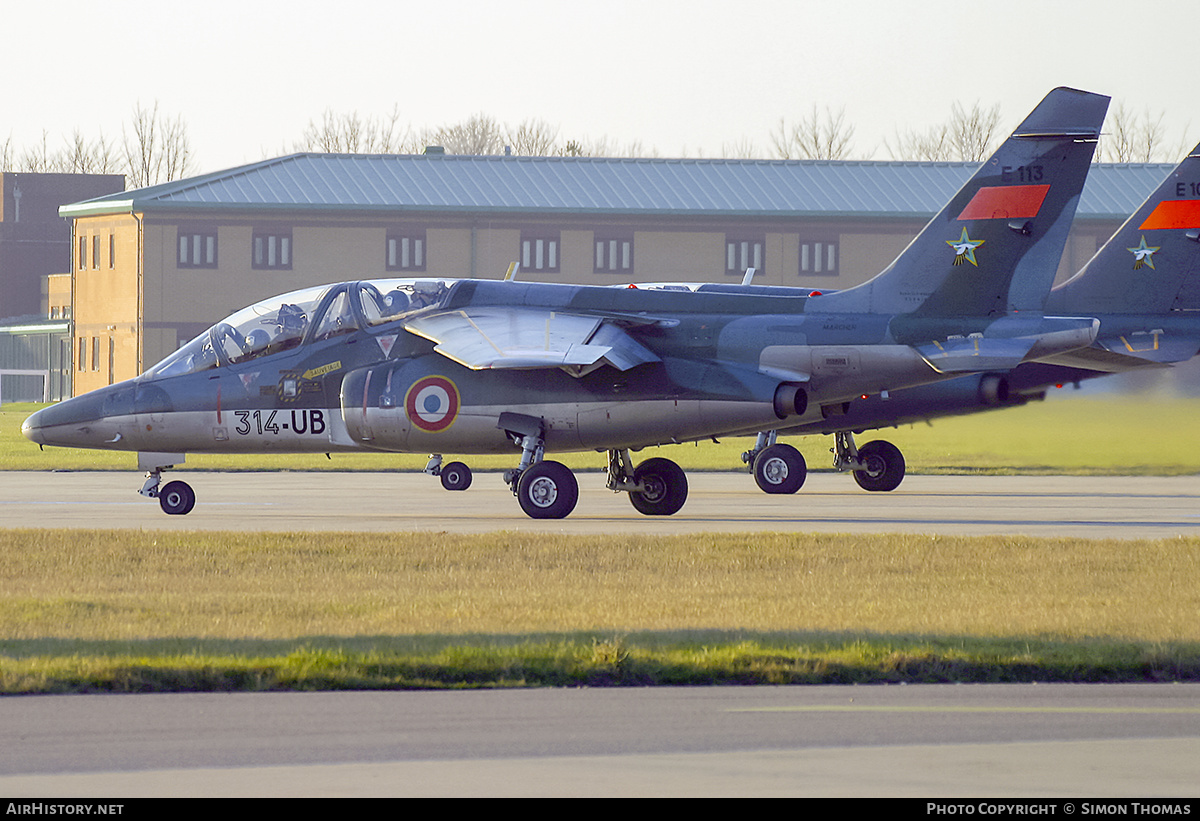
(1142, 286)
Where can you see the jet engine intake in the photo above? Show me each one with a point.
(790, 400)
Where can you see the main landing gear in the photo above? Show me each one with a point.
(547, 489)
(877, 465)
(780, 468)
(544, 489)
(777, 468)
(656, 487)
(175, 498)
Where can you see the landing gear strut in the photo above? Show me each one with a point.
(656, 487)
(877, 465)
(549, 490)
(777, 467)
(454, 476)
(545, 490)
(175, 498)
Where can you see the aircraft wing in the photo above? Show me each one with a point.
(529, 338)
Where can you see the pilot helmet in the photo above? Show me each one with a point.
(257, 339)
(395, 302)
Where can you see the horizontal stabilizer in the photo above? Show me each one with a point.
(1101, 361)
(1008, 342)
(1155, 346)
(524, 338)
(975, 353)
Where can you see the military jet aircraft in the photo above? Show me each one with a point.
(1143, 286)
(487, 366)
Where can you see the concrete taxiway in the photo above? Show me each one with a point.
(923, 740)
(1081, 506)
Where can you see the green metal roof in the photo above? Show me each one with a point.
(596, 186)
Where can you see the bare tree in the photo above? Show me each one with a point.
(533, 138)
(742, 149)
(354, 134)
(572, 148)
(478, 134)
(603, 147)
(928, 146)
(819, 136)
(1135, 138)
(95, 157)
(967, 136)
(973, 133)
(6, 155)
(39, 159)
(159, 150)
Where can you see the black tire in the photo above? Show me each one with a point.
(883, 466)
(456, 476)
(666, 487)
(547, 490)
(177, 498)
(780, 469)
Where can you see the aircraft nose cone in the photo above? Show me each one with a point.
(31, 429)
(74, 423)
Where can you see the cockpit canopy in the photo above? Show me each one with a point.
(301, 318)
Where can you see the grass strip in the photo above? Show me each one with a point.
(142, 611)
(594, 661)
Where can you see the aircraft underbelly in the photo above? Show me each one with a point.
(638, 424)
(839, 373)
(567, 426)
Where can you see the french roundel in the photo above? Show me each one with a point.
(432, 403)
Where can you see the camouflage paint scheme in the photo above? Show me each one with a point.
(487, 366)
(1142, 286)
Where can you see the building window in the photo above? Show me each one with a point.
(82, 361)
(818, 258)
(539, 252)
(112, 251)
(406, 251)
(96, 252)
(82, 254)
(95, 353)
(272, 249)
(198, 249)
(614, 254)
(742, 253)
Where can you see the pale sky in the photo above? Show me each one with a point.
(683, 77)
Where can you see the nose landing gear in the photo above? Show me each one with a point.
(175, 498)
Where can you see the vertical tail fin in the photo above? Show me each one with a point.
(1151, 265)
(996, 245)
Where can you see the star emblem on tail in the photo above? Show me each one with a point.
(964, 248)
(1143, 254)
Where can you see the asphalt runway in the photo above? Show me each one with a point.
(1027, 741)
(1093, 507)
